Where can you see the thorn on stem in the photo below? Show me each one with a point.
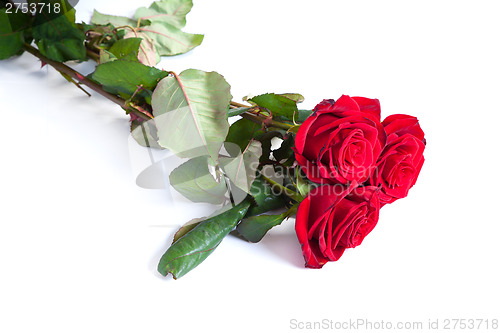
(80, 77)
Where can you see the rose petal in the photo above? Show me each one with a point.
(401, 124)
(345, 106)
(369, 106)
(310, 251)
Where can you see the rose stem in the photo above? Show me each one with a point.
(92, 55)
(136, 110)
(62, 68)
(289, 193)
(260, 119)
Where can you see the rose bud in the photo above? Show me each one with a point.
(341, 141)
(401, 161)
(331, 219)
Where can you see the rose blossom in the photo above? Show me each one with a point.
(333, 218)
(341, 141)
(401, 160)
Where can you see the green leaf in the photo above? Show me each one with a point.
(103, 35)
(11, 33)
(59, 39)
(285, 150)
(67, 9)
(191, 113)
(196, 245)
(172, 12)
(144, 132)
(106, 56)
(241, 169)
(254, 228)
(303, 115)
(123, 76)
(194, 181)
(170, 40)
(264, 198)
(267, 144)
(297, 98)
(161, 24)
(148, 55)
(190, 225)
(117, 21)
(278, 105)
(125, 47)
(289, 162)
(242, 131)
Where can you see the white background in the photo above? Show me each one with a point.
(79, 240)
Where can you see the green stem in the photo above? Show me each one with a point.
(292, 211)
(135, 109)
(92, 55)
(289, 193)
(266, 121)
(239, 105)
(63, 69)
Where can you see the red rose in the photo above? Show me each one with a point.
(331, 219)
(401, 161)
(341, 141)
(399, 124)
